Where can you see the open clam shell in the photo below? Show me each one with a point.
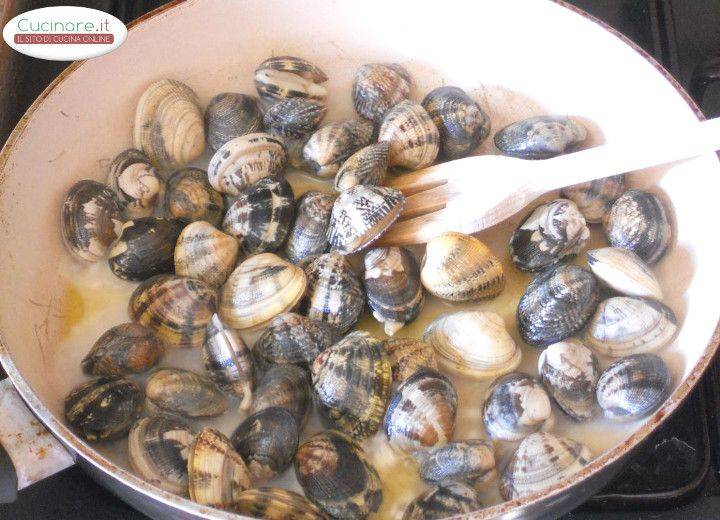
(274, 503)
(540, 137)
(292, 338)
(407, 356)
(203, 252)
(183, 392)
(470, 461)
(136, 183)
(308, 235)
(329, 146)
(230, 115)
(284, 77)
(123, 349)
(595, 198)
(624, 271)
(378, 87)
(444, 501)
(366, 166)
(284, 386)
(414, 139)
(190, 197)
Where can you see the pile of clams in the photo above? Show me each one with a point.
(329, 356)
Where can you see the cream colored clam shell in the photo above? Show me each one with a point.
(624, 271)
(205, 253)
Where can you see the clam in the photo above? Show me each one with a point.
(177, 309)
(444, 501)
(308, 235)
(169, 124)
(392, 285)
(471, 461)
(273, 503)
(414, 139)
(135, 182)
(267, 442)
(378, 87)
(90, 220)
(407, 356)
(123, 349)
(294, 339)
(463, 125)
(569, 370)
(190, 197)
(144, 248)
(284, 386)
(334, 294)
(329, 147)
(557, 304)
(286, 77)
(541, 460)
(103, 408)
(241, 162)
(366, 166)
(595, 198)
(540, 137)
(259, 289)
(459, 267)
(361, 214)
(294, 118)
(623, 325)
(633, 387)
(261, 216)
(421, 413)
(336, 474)
(228, 361)
(554, 231)
(351, 380)
(515, 406)
(624, 271)
(216, 473)
(230, 115)
(205, 253)
(638, 221)
(158, 450)
(473, 343)
(184, 392)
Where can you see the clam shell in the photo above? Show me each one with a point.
(623, 325)
(190, 197)
(294, 118)
(557, 304)
(144, 248)
(407, 356)
(392, 285)
(569, 370)
(123, 349)
(351, 380)
(366, 166)
(463, 125)
(638, 221)
(378, 87)
(449, 500)
(421, 413)
(361, 214)
(228, 361)
(158, 449)
(184, 392)
(336, 474)
(135, 182)
(241, 162)
(216, 473)
(540, 137)
(540, 461)
(103, 408)
(169, 124)
(553, 232)
(473, 343)
(595, 198)
(273, 503)
(284, 386)
(230, 115)
(205, 253)
(624, 271)
(471, 461)
(176, 308)
(286, 77)
(414, 139)
(261, 216)
(90, 220)
(329, 147)
(308, 235)
(259, 289)
(459, 267)
(292, 338)
(515, 406)
(334, 294)
(267, 442)
(633, 387)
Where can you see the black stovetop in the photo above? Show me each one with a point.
(676, 474)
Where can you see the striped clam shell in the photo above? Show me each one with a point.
(284, 386)
(624, 271)
(378, 87)
(444, 501)
(308, 235)
(274, 503)
(329, 146)
(540, 137)
(190, 197)
(471, 461)
(292, 338)
(230, 115)
(414, 139)
(284, 77)
(136, 183)
(205, 253)
(407, 356)
(123, 349)
(366, 166)
(294, 118)
(595, 198)
(183, 392)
